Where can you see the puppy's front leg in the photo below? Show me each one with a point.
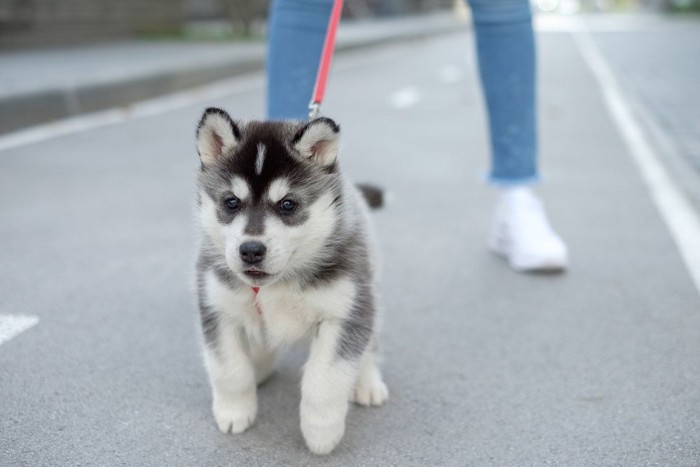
(327, 383)
(232, 376)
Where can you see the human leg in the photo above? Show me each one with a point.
(297, 29)
(506, 54)
(507, 67)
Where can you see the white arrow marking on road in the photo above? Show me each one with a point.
(406, 97)
(674, 207)
(13, 325)
(451, 74)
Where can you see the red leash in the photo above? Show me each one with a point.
(326, 57)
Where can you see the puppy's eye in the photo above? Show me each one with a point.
(287, 205)
(232, 203)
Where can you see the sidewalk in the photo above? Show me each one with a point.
(43, 85)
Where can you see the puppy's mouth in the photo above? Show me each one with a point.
(256, 274)
(256, 277)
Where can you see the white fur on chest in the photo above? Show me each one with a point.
(280, 313)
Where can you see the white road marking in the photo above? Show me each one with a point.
(405, 97)
(147, 108)
(450, 74)
(13, 325)
(679, 215)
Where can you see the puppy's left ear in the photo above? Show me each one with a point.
(217, 135)
(318, 141)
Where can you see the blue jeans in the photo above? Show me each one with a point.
(506, 51)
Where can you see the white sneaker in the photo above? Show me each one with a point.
(522, 234)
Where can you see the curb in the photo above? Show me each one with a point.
(20, 111)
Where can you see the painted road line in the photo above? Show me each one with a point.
(405, 98)
(450, 74)
(676, 210)
(13, 325)
(146, 108)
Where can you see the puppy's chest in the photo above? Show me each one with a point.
(283, 316)
(286, 314)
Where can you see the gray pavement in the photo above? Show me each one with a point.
(43, 85)
(598, 366)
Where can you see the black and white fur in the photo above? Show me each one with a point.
(276, 213)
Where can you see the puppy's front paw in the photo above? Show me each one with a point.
(234, 416)
(322, 439)
(370, 391)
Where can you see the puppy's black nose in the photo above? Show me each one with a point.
(252, 252)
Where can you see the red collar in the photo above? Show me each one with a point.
(255, 299)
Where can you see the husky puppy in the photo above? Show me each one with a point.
(286, 255)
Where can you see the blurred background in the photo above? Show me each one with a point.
(43, 23)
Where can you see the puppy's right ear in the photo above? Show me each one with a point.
(217, 135)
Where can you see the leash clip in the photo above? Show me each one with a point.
(314, 109)
(326, 57)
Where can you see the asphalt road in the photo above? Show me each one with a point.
(598, 366)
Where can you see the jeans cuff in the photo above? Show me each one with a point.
(511, 182)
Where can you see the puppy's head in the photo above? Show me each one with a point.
(268, 192)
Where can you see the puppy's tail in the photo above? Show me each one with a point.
(372, 194)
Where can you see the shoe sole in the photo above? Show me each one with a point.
(528, 264)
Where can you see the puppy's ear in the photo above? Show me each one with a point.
(318, 141)
(217, 134)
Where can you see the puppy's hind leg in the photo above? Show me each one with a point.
(370, 388)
